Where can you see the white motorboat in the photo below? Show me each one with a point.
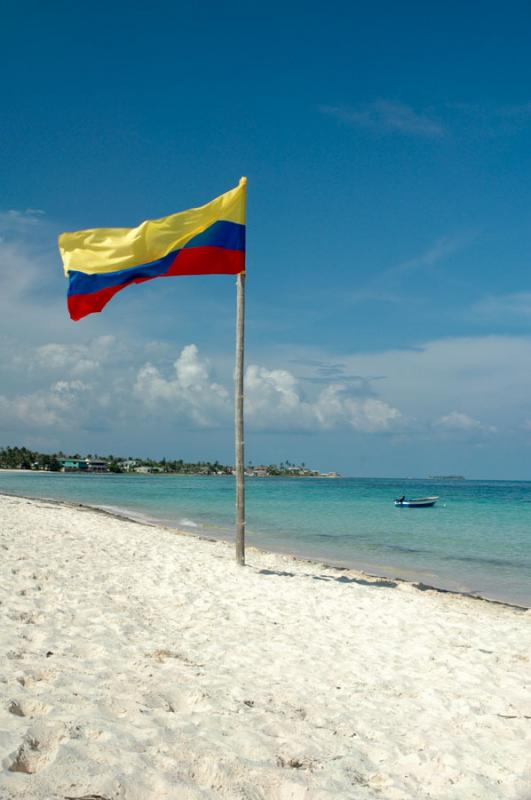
(418, 502)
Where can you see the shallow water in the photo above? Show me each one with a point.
(477, 538)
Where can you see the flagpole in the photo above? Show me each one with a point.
(238, 421)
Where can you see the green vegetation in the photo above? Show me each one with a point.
(177, 466)
(23, 458)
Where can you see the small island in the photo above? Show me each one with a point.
(446, 478)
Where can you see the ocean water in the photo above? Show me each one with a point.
(477, 538)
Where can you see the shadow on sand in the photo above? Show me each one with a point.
(380, 583)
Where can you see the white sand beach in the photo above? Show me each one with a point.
(142, 664)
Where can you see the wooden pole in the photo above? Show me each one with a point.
(238, 421)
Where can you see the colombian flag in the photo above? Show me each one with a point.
(202, 241)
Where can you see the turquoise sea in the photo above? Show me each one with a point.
(476, 539)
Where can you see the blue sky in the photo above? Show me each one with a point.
(389, 298)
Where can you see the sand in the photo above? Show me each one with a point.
(142, 664)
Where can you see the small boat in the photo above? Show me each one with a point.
(419, 502)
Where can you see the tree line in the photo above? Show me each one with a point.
(24, 458)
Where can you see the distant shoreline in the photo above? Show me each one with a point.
(396, 478)
(133, 474)
(446, 478)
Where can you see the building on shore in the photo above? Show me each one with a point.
(129, 465)
(83, 465)
(97, 465)
(258, 472)
(73, 464)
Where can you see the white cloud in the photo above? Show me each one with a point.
(15, 221)
(274, 400)
(32, 284)
(189, 393)
(392, 284)
(488, 377)
(458, 421)
(508, 307)
(369, 415)
(79, 358)
(59, 405)
(438, 251)
(461, 386)
(388, 116)
(19, 273)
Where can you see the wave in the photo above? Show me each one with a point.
(188, 523)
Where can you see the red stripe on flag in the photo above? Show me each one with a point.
(207, 261)
(80, 305)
